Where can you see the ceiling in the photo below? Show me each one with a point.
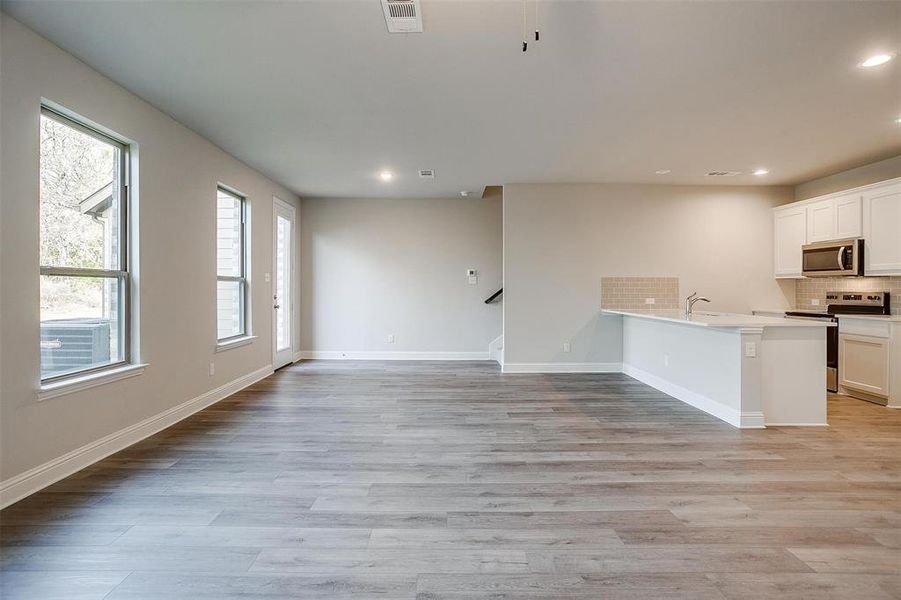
(317, 94)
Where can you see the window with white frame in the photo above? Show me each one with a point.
(231, 265)
(85, 278)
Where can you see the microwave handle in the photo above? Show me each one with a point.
(841, 257)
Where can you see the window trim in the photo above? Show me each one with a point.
(123, 274)
(84, 380)
(233, 341)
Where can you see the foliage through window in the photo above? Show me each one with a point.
(84, 265)
(231, 259)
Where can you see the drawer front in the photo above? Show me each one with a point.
(870, 327)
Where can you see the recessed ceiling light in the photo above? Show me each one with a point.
(760, 172)
(876, 60)
(663, 172)
(386, 175)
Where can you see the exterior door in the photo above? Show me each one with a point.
(283, 288)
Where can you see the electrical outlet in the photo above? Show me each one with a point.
(751, 349)
(650, 301)
(212, 369)
(390, 338)
(566, 347)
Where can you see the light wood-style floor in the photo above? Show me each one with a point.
(450, 480)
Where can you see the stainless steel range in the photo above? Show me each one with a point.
(838, 304)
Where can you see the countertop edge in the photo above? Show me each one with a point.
(739, 324)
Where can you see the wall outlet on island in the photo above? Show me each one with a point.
(650, 301)
(566, 347)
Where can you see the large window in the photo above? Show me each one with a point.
(231, 265)
(84, 264)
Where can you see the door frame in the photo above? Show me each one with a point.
(289, 354)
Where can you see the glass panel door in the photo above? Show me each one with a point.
(283, 283)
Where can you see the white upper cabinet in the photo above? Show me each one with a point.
(847, 216)
(872, 212)
(790, 225)
(834, 218)
(882, 229)
(821, 220)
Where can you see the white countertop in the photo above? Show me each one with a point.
(890, 318)
(721, 320)
(780, 311)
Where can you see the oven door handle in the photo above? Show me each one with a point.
(841, 257)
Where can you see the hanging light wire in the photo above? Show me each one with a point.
(525, 23)
(525, 43)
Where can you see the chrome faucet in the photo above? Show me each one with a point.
(690, 302)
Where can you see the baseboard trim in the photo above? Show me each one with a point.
(496, 349)
(382, 355)
(710, 406)
(27, 483)
(753, 420)
(562, 367)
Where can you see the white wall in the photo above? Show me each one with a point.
(176, 201)
(871, 173)
(560, 239)
(689, 353)
(374, 267)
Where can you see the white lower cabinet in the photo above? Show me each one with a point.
(864, 363)
(869, 359)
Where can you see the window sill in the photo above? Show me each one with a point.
(235, 343)
(78, 383)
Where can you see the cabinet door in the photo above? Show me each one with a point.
(863, 363)
(847, 216)
(821, 221)
(790, 227)
(882, 230)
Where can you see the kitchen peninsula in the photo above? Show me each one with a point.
(750, 371)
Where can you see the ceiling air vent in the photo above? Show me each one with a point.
(402, 16)
(427, 174)
(723, 173)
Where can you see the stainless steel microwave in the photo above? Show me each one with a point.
(833, 258)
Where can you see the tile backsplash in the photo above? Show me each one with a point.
(808, 290)
(630, 293)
